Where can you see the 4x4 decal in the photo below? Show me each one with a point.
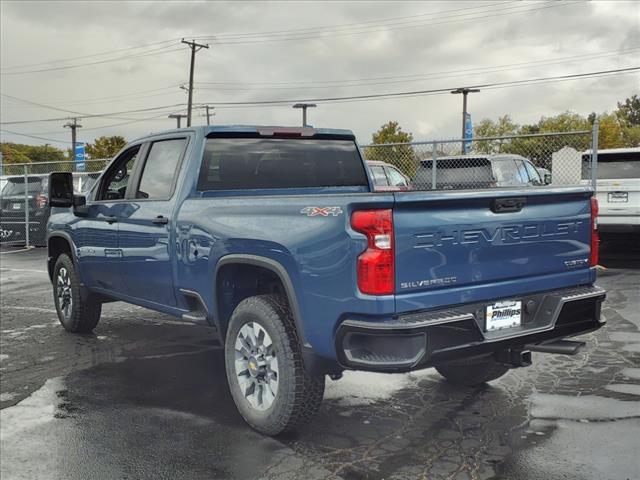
(321, 211)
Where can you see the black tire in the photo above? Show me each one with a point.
(472, 372)
(83, 313)
(299, 393)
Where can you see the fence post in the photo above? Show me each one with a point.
(594, 155)
(26, 206)
(434, 156)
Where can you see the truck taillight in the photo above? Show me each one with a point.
(595, 238)
(41, 201)
(375, 265)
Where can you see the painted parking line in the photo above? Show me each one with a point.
(18, 251)
(30, 309)
(22, 270)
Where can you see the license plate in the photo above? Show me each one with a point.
(16, 206)
(506, 314)
(618, 197)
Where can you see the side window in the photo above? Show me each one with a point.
(534, 175)
(160, 169)
(114, 184)
(523, 176)
(379, 178)
(505, 172)
(396, 178)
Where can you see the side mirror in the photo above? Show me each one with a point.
(547, 178)
(61, 189)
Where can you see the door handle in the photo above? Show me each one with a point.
(160, 220)
(111, 219)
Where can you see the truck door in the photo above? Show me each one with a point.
(144, 229)
(96, 233)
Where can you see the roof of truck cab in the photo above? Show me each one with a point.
(249, 129)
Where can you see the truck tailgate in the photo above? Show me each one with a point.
(459, 247)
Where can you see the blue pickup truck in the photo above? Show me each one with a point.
(275, 237)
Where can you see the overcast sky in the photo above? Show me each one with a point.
(340, 49)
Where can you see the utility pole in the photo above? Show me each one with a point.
(206, 107)
(194, 48)
(178, 117)
(304, 107)
(73, 125)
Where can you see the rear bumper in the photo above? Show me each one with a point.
(423, 339)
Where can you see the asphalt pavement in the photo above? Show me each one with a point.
(145, 397)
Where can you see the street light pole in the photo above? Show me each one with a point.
(304, 107)
(464, 91)
(178, 117)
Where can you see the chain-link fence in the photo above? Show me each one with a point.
(24, 189)
(508, 161)
(568, 158)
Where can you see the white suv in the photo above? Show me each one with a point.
(618, 190)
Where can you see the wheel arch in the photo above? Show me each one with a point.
(57, 244)
(270, 265)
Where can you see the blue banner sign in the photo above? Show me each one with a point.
(79, 157)
(468, 132)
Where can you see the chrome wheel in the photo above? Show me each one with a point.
(63, 291)
(256, 366)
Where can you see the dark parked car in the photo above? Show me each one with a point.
(387, 178)
(478, 171)
(13, 198)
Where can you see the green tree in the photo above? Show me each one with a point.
(487, 128)
(105, 147)
(564, 122)
(399, 154)
(629, 111)
(13, 153)
(45, 153)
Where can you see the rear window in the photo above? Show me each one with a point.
(15, 186)
(259, 163)
(614, 165)
(455, 173)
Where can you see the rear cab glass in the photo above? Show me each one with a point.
(456, 173)
(614, 165)
(239, 163)
(15, 186)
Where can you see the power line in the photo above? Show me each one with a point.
(432, 91)
(33, 136)
(414, 76)
(371, 81)
(159, 51)
(385, 20)
(109, 52)
(493, 13)
(356, 97)
(89, 101)
(98, 115)
(41, 105)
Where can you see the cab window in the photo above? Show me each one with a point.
(160, 169)
(114, 184)
(533, 174)
(379, 178)
(396, 178)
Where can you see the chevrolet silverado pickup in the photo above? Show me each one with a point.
(276, 237)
